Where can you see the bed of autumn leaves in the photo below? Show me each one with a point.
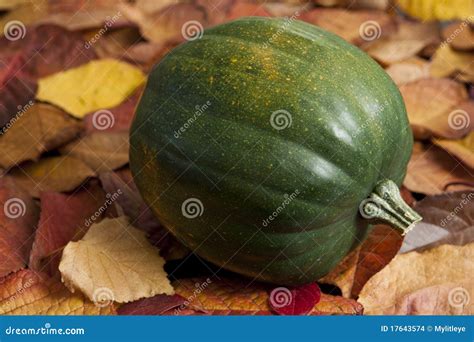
(75, 236)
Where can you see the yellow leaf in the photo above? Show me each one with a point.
(438, 9)
(114, 262)
(96, 85)
(447, 62)
(462, 148)
(27, 292)
(408, 274)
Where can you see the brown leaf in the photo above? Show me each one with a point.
(27, 292)
(57, 174)
(391, 51)
(101, 151)
(439, 171)
(411, 272)
(37, 128)
(357, 27)
(409, 70)
(429, 104)
(156, 305)
(239, 297)
(355, 270)
(18, 219)
(47, 49)
(170, 22)
(64, 218)
(462, 149)
(447, 219)
(114, 262)
(246, 9)
(459, 35)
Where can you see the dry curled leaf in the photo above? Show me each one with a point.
(101, 151)
(57, 174)
(408, 71)
(115, 262)
(239, 297)
(18, 218)
(448, 62)
(28, 292)
(463, 149)
(459, 35)
(96, 85)
(391, 51)
(355, 270)
(407, 273)
(430, 103)
(440, 171)
(38, 128)
(448, 218)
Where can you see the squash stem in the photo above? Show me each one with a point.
(386, 205)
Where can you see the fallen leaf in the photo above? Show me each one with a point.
(64, 218)
(298, 300)
(56, 174)
(361, 264)
(27, 292)
(371, 4)
(96, 85)
(409, 70)
(436, 9)
(17, 20)
(429, 104)
(176, 20)
(391, 51)
(459, 35)
(114, 261)
(47, 49)
(156, 305)
(246, 9)
(447, 62)
(101, 151)
(357, 27)
(414, 271)
(18, 218)
(462, 148)
(37, 128)
(239, 297)
(17, 91)
(441, 172)
(447, 219)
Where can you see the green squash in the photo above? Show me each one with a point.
(260, 144)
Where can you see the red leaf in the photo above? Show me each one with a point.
(156, 305)
(18, 219)
(47, 49)
(63, 218)
(295, 301)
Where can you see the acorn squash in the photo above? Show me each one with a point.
(269, 147)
